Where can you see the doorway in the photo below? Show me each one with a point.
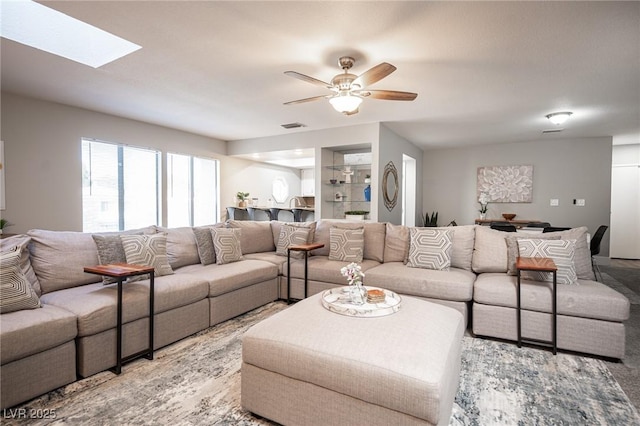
(408, 190)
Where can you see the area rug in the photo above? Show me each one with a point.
(196, 381)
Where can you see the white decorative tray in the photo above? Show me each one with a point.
(338, 300)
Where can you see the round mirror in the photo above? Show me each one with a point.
(390, 186)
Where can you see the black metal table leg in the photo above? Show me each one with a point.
(151, 313)
(518, 319)
(288, 276)
(118, 368)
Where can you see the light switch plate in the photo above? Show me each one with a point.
(580, 202)
(554, 202)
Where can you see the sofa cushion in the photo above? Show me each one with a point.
(182, 248)
(147, 250)
(25, 333)
(374, 237)
(455, 284)
(95, 305)
(291, 236)
(560, 251)
(204, 243)
(225, 278)
(322, 269)
(110, 250)
(430, 248)
(16, 293)
(590, 299)
(226, 242)
(21, 242)
(256, 236)
(489, 250)
(396, 247)
(271, 257)
(346, 245)
(59, 257)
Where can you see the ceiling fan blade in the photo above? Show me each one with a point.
(301, 101)
(308, 79)
(387, 95)
(376, 73)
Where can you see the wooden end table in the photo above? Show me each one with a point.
(306, 248)
(539, 264)
(121, 271)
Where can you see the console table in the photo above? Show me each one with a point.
(517, 223)
(306, 248)
(538, 264)
(121, 271)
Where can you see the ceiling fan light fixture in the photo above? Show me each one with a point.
(345, 102)
(559, 117)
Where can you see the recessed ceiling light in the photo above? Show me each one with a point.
(559, 117)
(46, 29)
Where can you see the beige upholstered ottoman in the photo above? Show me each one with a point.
(307, 365)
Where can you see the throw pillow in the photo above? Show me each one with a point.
(562, 253)
(16, 293)
(226, 242)
(346, 245)
(110, 251)
(291, 236)
(147, 250)
(430, 248)
(204, 242)
(21, 243)
(512, 248)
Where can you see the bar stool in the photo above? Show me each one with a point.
(297, 214)
(252, 213)
(275, 211)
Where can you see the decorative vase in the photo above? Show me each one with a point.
(358, 294)
(483, 216)
(367, 193)
(242, 204)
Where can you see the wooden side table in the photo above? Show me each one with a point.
(121, 271)
(306, 248)
(539, 264)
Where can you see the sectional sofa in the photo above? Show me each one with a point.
(72, 335)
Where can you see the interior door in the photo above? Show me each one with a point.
(624, 240)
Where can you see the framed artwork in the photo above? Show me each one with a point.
(505, 184)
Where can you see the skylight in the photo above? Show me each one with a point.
(46, 29)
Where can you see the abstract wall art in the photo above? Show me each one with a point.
(506, 184)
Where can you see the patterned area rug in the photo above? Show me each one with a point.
(197, 381)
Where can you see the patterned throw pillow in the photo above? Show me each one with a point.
(16, 293)
(204, 241)
(147, 250)
(291, 235)
(110, 251)
(226, 242)
(346, 245)
(562, 253)
(512, 248)
(430, 248)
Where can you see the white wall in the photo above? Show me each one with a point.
(563, 169)
(625, 202)
(43, 160)
(391, 148)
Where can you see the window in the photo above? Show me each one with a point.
(120, 186)
(192, 190)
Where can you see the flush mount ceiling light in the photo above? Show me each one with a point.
(349, 89)
(43, 28)
(559, 117)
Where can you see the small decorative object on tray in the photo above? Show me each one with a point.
(375, 296)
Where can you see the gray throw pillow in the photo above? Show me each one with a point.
(346, 245)
(16, 293)
(562, 253)
(291, 235)
(110, 251)
(204, 242)
(148, 250)
(227, 244)
(430, 248)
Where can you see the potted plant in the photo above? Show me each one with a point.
(431, 220)
(242, 198)
(4, 223)
(355, 214)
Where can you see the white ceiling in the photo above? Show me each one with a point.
(485, 72)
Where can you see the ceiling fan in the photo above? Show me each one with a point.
(349, 90)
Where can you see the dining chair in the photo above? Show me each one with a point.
(538, 224)
(504, 228)
(555, 228)
(595, 249)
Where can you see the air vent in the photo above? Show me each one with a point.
(293, 125)
(552, 131)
